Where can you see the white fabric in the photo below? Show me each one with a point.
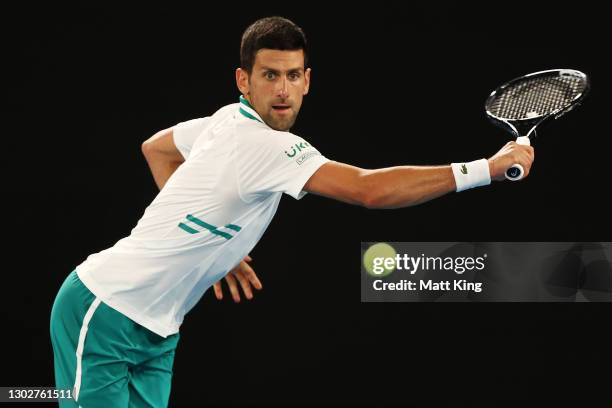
(231, 183)
(186, 133)
(472, 174)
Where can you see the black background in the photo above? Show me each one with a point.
(391, 84)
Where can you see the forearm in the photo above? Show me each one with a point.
(404, 186)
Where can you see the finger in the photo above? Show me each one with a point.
(251, 276)
(244, 283)
(233, 287)
(530, 157)
(526, 163)
(218, 290)
(248, 258)
(520, 156)
(527, 150)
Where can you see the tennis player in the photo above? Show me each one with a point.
(115, 321)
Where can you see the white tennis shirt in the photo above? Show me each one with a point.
(205, 220)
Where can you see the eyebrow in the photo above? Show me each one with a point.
(264, 68)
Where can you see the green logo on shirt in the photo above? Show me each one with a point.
(296, 148)
(463, 169)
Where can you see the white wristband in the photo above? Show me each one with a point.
(472, 174)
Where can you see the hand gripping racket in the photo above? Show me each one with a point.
(521, 105)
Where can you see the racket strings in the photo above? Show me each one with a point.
(534, 97)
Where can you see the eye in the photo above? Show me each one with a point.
(270, 75)
(294, 76)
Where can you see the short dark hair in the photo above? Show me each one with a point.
(275, 33)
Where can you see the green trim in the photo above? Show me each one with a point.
(245, 101)
(248, 115)
(188, 228)
(200, 222)
(209, 227)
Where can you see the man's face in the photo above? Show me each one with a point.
(276, 86)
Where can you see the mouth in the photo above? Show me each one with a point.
(280, 108)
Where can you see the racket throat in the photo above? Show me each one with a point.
(524, 129)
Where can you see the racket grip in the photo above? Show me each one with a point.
(517, 171)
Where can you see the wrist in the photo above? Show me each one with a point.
(471, 174)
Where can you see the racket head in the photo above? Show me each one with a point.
(522, 104)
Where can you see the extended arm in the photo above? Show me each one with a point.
(403, 186)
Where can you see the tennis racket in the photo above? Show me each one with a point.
(521, 105)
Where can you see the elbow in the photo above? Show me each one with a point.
(369, 203)
(152, 144)
(370, 194)
(146, 148)
(372, 200)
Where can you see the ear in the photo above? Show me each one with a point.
(306, 81)
(242, 81)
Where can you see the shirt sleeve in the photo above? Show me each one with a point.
(277, 162)
(186, 133)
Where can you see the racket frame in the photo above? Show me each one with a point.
(523, 129)
(526, 127)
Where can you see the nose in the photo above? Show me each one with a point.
(282, 91)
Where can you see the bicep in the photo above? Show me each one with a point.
(339, 181)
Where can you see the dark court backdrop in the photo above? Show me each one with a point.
(392, 84)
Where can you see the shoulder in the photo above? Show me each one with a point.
(227, 110)
(192, 124)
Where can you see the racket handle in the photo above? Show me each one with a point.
(517, 171)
